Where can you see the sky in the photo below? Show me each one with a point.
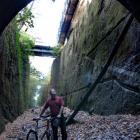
(42, 64)
(47, 19)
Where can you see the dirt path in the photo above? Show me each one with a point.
(114, 127)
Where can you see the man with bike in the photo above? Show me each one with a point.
(56, 105)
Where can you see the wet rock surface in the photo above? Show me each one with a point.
(88, 127)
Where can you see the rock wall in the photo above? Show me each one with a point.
(55, 73)
(86, 52)
(11, 85)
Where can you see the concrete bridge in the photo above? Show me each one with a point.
(40, 50)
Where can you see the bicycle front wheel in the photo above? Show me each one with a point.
(48, 135)
(32, 135)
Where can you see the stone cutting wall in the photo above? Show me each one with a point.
(13, 83)
(119, 90)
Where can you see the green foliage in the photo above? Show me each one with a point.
(36, 79)
(57, 50)
(36, 74)
(23, 42)
(19, 52)
(25, 19)
(26, 40)
(44, 90)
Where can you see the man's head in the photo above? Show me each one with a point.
(53, 93)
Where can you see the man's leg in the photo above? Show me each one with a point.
(55, 131)
(63, 129)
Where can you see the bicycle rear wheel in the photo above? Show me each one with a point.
(47, 135)
(32, 135)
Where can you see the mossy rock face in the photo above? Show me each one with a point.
(13, 78)
(78, 70)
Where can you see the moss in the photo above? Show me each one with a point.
(23, 42)
(26, 41)
(14, 71)
(57, 50)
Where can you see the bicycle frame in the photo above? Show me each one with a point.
(37, 127)
(47, 131)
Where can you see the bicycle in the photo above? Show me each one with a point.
(47, 134)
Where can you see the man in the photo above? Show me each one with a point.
(56, 105)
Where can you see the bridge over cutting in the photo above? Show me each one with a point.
(40, 50)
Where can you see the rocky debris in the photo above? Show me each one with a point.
(114, 127)
(13, 131)
(89, 127)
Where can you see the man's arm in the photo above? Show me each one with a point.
(62, 107)
(60, 112)
(44, 108)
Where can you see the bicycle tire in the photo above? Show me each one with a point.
(48, 135)
(29, 134)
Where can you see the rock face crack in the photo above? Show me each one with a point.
(77, 90)
(101, 7)
(122, 84)
(128, 87)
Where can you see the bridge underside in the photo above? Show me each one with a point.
(43, 51)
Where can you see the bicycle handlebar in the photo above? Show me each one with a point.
(46, 117)
(42, 117)
(36, 119)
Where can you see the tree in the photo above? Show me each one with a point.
(25, 18)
